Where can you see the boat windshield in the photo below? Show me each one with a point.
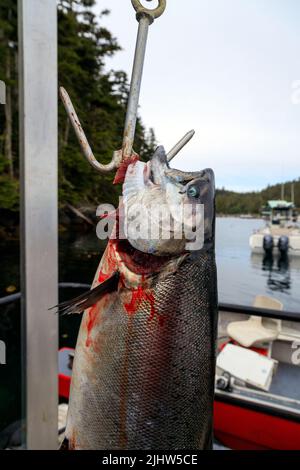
(279, 215)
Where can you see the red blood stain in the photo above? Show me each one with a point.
(103, 277)
(109, 264)
(72, 441)
(92, 315)
(137, 261)
(137, 297)
(121, 172)
(109, 215)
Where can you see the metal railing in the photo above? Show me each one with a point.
(260, 312)
(8, 299)
(223, 307)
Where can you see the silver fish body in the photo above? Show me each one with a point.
(143, 373)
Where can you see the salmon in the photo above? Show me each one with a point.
(144, 366)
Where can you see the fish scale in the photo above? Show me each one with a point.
(152, 385)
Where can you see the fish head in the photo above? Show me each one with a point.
(167, 211)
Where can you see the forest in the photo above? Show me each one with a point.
(100, 98)
(233, 203)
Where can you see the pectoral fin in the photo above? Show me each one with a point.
(87, 299)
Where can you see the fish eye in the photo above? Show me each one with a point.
(193, 191)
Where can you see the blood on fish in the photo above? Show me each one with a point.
(109, 215)
(138, 262)
(90, 323)
(121, 172)
(137, 297)
(124, 387)
(109, 266)
(103, 277)
(72, 441)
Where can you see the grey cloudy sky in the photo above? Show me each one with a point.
(225, 68)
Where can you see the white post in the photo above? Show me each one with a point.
(39, 268)
(2, 92)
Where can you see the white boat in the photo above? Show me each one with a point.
(281, 233)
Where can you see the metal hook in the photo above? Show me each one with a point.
(145, 18)
(85, 146)
(179, 146)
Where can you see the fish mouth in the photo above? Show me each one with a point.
(158, 171)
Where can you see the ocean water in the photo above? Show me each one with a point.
(242, 275)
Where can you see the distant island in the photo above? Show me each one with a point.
(82, 214)
(234, 203)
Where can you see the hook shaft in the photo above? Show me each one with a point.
(179, 146)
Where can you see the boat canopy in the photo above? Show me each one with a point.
(280, 204)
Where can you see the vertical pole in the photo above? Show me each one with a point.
(282, 191)
(2, 92)
(135, 87)
(39, 265)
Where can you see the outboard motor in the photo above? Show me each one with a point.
(268, 261)
(283, 244)
(268, 243)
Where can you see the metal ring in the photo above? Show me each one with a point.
(154, 13)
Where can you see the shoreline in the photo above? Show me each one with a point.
(80, 219)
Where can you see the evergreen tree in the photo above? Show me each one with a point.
(8, 113)
(99, 97)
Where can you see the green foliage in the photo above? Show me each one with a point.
(8, 73)
(99, 97)
(9, 193)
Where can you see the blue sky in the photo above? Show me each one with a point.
(227, 69)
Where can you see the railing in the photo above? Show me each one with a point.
(260, 312)
(8, 299)
(223, 307)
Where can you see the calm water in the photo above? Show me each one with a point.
(241, 276)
